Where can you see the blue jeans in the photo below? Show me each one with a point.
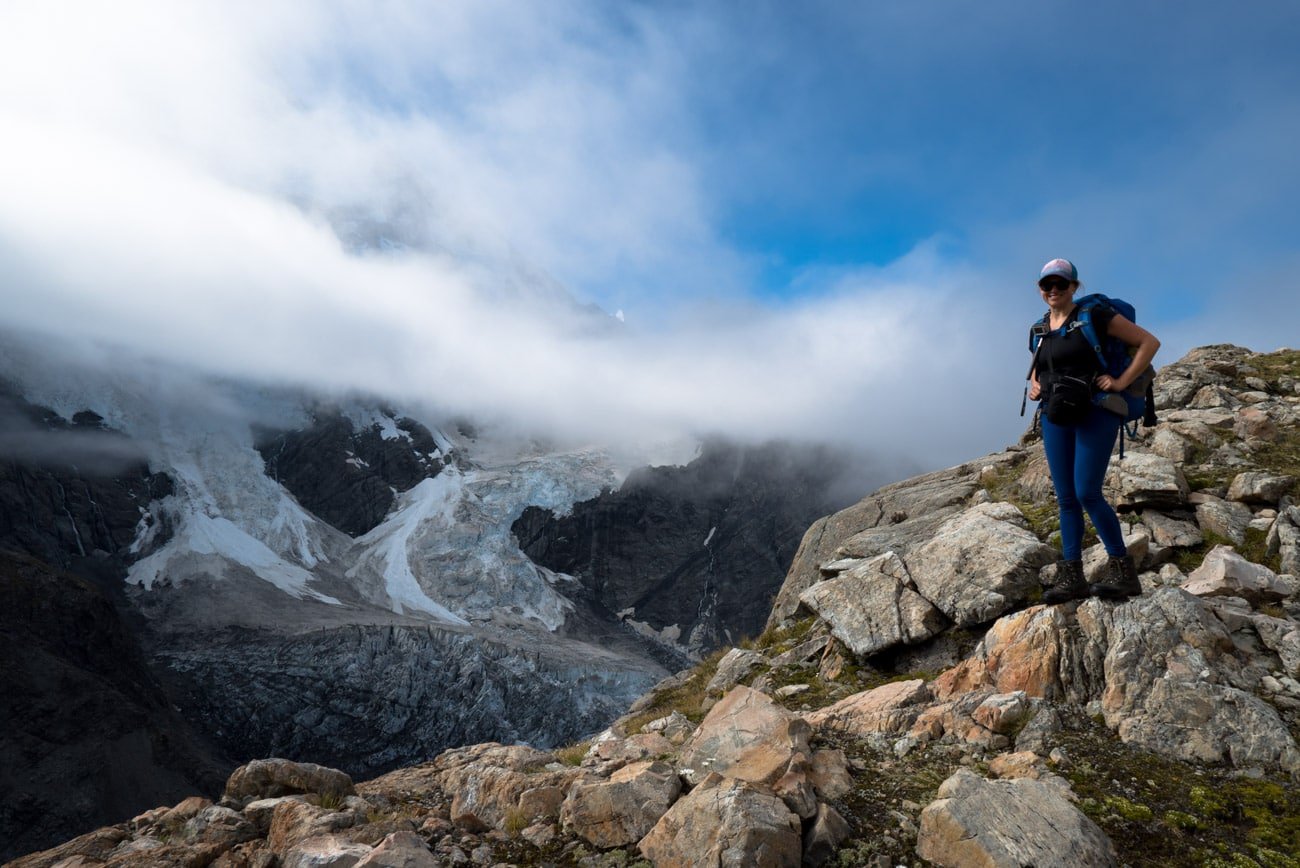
(1077, 456)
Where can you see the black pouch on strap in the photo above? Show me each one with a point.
(1069, 400)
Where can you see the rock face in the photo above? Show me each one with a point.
(89, 736)
(351, 477)
(1009, 823)
(72, 494)
(695, 552)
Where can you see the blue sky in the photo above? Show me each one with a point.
(805, 213)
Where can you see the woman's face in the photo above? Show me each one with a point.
(1057, 291)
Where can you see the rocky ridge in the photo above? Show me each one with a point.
(910, 702)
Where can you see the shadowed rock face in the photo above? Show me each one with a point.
(346, 476)
(72, 491)
(701, 547)
(89, 737)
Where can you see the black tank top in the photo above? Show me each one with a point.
(1067, 351)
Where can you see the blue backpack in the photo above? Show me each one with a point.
(1137, 401)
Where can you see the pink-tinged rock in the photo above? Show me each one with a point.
(745, 728)
(623, 809)
(1019, 652)
(1224, 573)
(94, 847)
(1002, 712)
(293, 821)
(888, 708)
(267, 778)
(830, 774)
(726, 823)
(400, 850)
(324, 851)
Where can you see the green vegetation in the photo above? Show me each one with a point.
(688, 697)
(1168, 813)
(572, 754)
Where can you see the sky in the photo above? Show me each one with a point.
(641, 220)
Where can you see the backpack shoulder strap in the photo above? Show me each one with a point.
(1086, 306)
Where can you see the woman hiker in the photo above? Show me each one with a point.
(1079, 433)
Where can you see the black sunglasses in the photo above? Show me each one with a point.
(1054, 283)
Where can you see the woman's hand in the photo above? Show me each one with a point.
(1035, 390)
(1107, 383)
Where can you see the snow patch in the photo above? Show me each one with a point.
(222, 540)
(708, 539)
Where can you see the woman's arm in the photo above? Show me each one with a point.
(1135, 336)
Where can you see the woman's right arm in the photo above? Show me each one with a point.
(1034, 389)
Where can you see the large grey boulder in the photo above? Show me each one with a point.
(980, 563)
(726, 823)
(873, 606)
(734, 667)
(1284, 540)
(1011, 823)
(1225, 518)
(1257, 487)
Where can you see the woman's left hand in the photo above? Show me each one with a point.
(1107, 383)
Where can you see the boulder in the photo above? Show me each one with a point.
(93, 848)
(1009, 823)
(1225, 518)
(1142, 480)
(1282, 637)
(888, 708)
(400, 850)
(293, 821)
(734, 667)
(1254, 423)
(1020, 652)
(727, 823)
(828, 831)
(1003, 712)
(1224, 573)
(1168, 444)
(830, 774)
(1167, 531)
(1173, 683)
(623, 809)
(745, 735)
(1263, 488)
(324, 851)
(1284, 540)
(217, 825)
(259, 813)
(979, 564)
(266, 778)
(676, 727)
(873, 606)
(487, 780)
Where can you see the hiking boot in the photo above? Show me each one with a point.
(1069, 583)
(1121, 580)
